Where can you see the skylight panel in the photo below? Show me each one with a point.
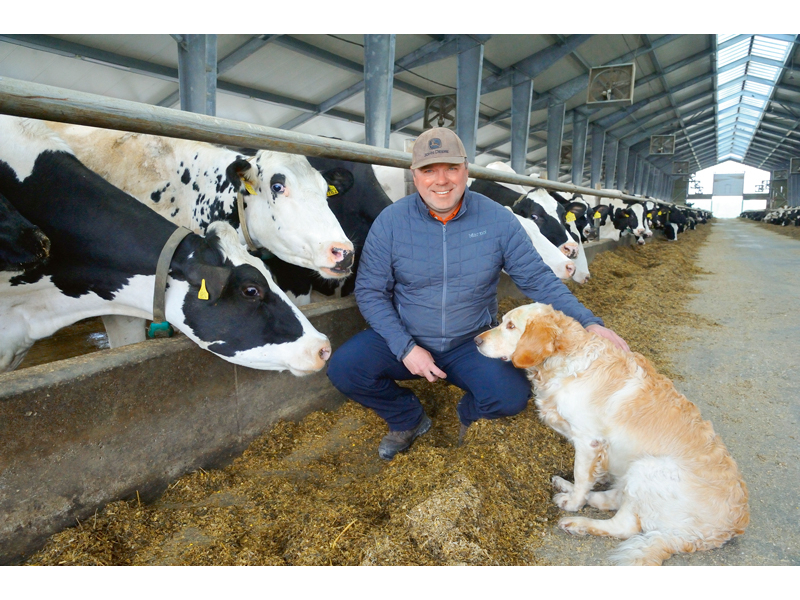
(740, 100)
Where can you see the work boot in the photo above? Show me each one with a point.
(397, 441)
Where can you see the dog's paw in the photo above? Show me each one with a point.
(572, 526)
(569, 502)
(561, 484)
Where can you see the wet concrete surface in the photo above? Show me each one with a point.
(743, 375)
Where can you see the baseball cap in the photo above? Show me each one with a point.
(437, 145)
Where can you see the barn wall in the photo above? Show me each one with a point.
(80, 433)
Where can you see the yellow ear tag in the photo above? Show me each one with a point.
(597, 215)
(649, 215)
(332, 191)
(249, 188)
(570, 217)
(203, 293)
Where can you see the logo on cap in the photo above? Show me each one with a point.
(435, 143)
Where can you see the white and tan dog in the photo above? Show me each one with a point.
(675, 486)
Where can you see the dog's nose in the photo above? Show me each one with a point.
(478, 340)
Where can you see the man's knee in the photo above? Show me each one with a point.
(340, 370)
(510, 397)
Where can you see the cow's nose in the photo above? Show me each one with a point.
(325, 353)
(478, 340)
(346, 262)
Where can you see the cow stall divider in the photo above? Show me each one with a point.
(79, 433)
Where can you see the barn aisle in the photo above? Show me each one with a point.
(743, 376)
(740, 367)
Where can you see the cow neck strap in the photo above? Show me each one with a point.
(162, 269)
(243, 221)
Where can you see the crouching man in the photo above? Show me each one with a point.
(427, 285)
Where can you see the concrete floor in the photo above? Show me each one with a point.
(743, 374)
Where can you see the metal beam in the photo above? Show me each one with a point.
(468, 95)
(610, 153)
(533, 65)
(555, 134)
(580, 130)
(378, 76)
(598, 139)
(520, 123)
(197, 73)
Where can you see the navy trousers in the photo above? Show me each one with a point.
(365, 370)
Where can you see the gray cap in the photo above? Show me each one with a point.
(437, 145)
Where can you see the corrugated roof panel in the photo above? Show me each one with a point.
(740, 97)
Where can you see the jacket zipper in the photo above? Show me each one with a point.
(444, 284)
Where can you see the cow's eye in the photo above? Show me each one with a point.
(252, 291)
(278, 188)
(534, 217)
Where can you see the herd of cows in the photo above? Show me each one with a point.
(786, 215)
(87, 217)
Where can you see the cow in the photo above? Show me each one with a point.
(356, 198)
(550, 216)
(105, 247)
(194, 184)
(674, 222)
(23, 246)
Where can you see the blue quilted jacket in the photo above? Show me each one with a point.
(423, 282)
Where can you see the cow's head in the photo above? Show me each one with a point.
(287, 212)
(217, 292)
(549, 216)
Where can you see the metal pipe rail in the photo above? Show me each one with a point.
(38, 101)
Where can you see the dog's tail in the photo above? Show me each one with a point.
(649, 549)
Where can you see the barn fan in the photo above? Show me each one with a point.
(780, 175)
(440, 111)
(680, 167)
(662, 144)
(611, 85)
(794, 166)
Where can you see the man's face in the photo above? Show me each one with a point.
(441, 185)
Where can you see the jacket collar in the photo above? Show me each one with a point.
(425, 211)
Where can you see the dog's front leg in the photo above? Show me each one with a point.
(590, 463)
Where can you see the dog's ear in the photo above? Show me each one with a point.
(536, 344)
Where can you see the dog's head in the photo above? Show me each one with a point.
(526, 336)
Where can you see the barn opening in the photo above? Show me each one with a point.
(729, 188)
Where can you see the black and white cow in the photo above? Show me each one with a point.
(23, 246)
(356, 198)
(194, 184)
(105, 247)
(550, 216)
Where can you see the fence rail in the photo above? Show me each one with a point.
(38, 101)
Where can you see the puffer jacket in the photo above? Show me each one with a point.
(423, 282)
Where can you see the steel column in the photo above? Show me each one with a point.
(555, 131)
(468, 95)
(612, 144)
(622, 165)
(630, 170)
(197, 73)
(580, 130)
(598, 135)
(378, 81)
(520, 124)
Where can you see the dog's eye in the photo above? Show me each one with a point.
(510, 325)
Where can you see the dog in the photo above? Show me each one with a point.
(674, 485)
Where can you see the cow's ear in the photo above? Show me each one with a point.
(339, 180)
(241, 172)
(209, 280)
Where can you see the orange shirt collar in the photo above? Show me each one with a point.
(448, 217)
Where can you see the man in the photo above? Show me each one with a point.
(427, 285)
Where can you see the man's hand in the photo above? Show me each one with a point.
(420, 362)
(609, 335)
